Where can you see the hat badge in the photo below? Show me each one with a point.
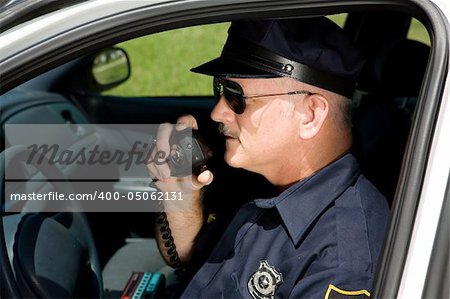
(264, 281)
(288, 68)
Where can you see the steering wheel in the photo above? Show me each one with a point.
(45, 255)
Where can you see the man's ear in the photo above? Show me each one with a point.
(315, 110)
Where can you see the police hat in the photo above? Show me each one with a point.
(312, 50)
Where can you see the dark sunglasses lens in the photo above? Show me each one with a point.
(235, 101)
(232, 93)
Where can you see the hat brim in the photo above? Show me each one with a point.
(225, 67)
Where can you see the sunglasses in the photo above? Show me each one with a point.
(234, 94)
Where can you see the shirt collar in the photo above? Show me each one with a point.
(302, 203)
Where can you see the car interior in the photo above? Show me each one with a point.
(383, 107)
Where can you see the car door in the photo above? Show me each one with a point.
(35, 48)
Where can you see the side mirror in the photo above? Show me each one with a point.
(110, 67)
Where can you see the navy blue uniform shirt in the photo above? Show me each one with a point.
(320, 236)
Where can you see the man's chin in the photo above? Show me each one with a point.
(232, 160)
(233, 155)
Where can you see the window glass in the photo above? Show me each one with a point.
(160, 63)
(418, 32)
(339, 19)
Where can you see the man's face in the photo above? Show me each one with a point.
(261, 138)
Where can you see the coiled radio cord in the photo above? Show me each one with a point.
(169, 244)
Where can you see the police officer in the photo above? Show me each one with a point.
(283, 89)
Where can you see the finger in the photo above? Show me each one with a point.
(206, 177)
(163, 137)
(158, 158)
(160, 172)
(153, 168)
(150, 163)
(153, 171)
(203, 179)
(186, 121)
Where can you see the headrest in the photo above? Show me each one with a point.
(400, 67)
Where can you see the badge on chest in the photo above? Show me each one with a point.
(264, 281)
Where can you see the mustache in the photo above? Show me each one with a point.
(225, 130)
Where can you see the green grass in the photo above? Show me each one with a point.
(160, 63)
(418, 32)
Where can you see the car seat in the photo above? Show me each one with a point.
(382, 116)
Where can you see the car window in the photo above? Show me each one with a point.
(160, 63)
(418, 32)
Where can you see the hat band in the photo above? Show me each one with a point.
(258, 57)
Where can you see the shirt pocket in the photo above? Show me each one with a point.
(232, 288)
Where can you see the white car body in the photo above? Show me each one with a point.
(22, 46)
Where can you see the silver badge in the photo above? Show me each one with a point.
(263, 283)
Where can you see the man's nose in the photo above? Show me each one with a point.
(222, 112)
